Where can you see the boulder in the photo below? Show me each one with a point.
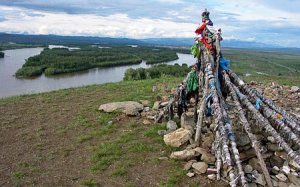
(295, 89)
(242, 139)
(163, 104)
(184, 155)
(248, 169)
(276, 161)
(178, 137)
(208, 158)
(161, 132)
(294, 179)
(208, 139)
(145, 103)
(273, 147)
(189, 164)
(130, 108)
(171, 126)
(281, 177)
(254, 163)
(146, 122)
(190, 174)
(212, 176)
(283, 184)
(260, 179)
(156, 105)
(200, 167)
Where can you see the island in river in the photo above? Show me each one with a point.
(65, 60)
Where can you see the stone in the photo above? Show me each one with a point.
(212, 176)
(163, 158)
(208, 139)
(293, 185)
(184, 155)
(260, 179)
(146, 122)
(275, 170)
(189, 164)
(271, 139)
(294, 88)
(145, 103)
(208, 158)
(178, 137)
(281, 177)
(294, 164)
(294, 179)
(252, 185)
(282, 154)
(171, 126)
(151, 117)
(190, 174)
(146, 109)
(276, 161)
(154, 88)
(200, 167)
(163, 104)
(247, 154)
(273, 147)
(211, 171)
(161, 132)
(255, 164)
(130, 108)
(242, 139)
(248, 169)
(156, 105)
(275, 183)
(283, 184)
(189, 114)
(110, 123)
(286, 170)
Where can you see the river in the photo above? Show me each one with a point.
(14, 59)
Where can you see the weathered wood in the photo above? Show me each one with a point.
(226, 130)
(266, 125)
(292, 121)
(201, 113)
(247, 127)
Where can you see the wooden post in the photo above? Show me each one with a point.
(247, 127)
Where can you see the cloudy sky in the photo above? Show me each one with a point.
(268, 21)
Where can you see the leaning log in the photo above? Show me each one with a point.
(247, 127)
(266, 125)
(292, 121)
(226, 130)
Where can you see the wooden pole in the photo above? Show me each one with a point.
(247, 127)
(266, 125)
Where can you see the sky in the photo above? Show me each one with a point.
(274, 22)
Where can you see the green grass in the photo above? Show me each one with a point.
(89, 183)
(265, 67)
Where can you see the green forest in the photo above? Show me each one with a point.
(156, 72)
(1, 53)
(62, 60)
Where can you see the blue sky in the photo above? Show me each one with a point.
(266, 21)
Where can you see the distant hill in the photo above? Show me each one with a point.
(77, 40)
(189, 42)
(63, 40)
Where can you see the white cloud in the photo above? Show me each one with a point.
(116, 25)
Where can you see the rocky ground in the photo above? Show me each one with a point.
(200, 161)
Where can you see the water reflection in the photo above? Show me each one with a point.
(14, 59)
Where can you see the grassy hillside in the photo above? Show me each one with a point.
(61, 139)
(266, 67)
